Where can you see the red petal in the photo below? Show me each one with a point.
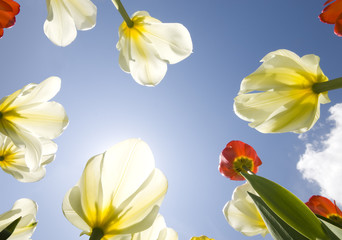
(233, 150)
(338, 26)
(8, 10)
(331, 12)
(1, 32)
(322, 206)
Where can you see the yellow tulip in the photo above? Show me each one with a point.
(29, 119)
(149, 45)
(12, 159)
(279, 96)
(119, 193)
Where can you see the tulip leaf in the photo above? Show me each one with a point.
(287, 206)
(332, 226)
(279, 229)
(7, 232)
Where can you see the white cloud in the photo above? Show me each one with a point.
(322, 160)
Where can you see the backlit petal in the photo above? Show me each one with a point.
(242, 214)
(59, 26)
(83, 13)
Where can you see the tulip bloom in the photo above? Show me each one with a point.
(65, 17)
(27, 210)
(29, 119)
(158, 231)
(279, 96)
(8, 10)
(332, 14)
(149, 45)
(12, 159)
(119, 193)
(242, 214)
(236, 157)
(201, 238)
(324, 207)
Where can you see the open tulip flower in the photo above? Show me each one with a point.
(148, 45)
(12, 159)
(65, 17)
(281, 95)
(332, 14)
(119, 193)
(324, 207)
(236, 157)
(8, 10)
(242, 214)
(158, 231)
(27, 210)
(30, 120)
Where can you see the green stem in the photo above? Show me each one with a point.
(123, 13)
(97, 234)
(327, 86)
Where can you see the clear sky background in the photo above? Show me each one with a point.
(188, 118)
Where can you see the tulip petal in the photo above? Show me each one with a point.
(25, 208)
(242, 214)
(331, 12)
(139, 211)
(171, 40)
(83, 12)
(73, 211)
(59, 26)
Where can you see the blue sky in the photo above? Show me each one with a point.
(187, 119)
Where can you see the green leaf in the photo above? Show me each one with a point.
(287, 206)
(332, 227)
(7, 232)
(279, 229)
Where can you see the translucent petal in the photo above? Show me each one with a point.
(59, 26)
(83, 12)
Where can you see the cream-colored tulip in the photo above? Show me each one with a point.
(27, 210)
(279, 95)
(12, 159)
(158, 231)
(242, 214)
(149, 45)
(29, 119)
(119, 193)
(201, 238)
(65, 17)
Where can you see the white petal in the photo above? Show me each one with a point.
(139, 211)
(83, 13)
(47, 119)
(25, 208)
(242, 214)
(171, 40)
(59, 26)
(72, 209)
(37, 93)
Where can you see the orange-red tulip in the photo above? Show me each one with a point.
(324, 207)
(8, 10)
(332, 14)
(236, 157)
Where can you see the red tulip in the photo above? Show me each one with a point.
(8, 10)
(324, 207)
(236, 157)
(332, 14)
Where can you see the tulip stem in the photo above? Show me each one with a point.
(123, 13)
(327, 86)
(97, 234)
